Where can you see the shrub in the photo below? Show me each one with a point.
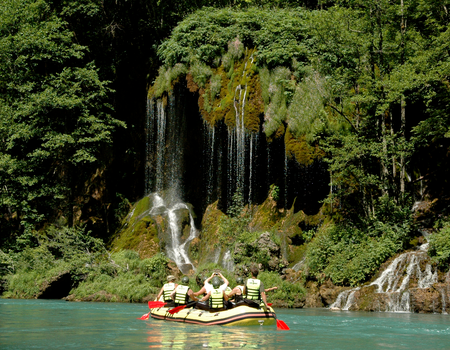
(350, 256)
(439, 249)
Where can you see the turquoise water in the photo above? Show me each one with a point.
(54, 324)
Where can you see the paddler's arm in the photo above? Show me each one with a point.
(232, 293)
(173, 293)
(263, 296)
(224, 279)
(201, 291)
(206, 297)
(225, 296)
(192, 295)
(269, 289)
(160, 293)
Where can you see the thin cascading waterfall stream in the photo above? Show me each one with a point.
(149, 143)
(240, 143)
(166, 133)
(250, 180)
(209, 159)
(160, 145)
(285, 179)
(176, 250)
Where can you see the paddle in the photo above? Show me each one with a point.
(144, 317)
(281, 325)
(176, 309)
(181, 307)
(155, 304)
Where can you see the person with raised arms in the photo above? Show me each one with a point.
(208, 286)
(238, 291)
(217, 296)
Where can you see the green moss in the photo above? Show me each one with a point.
(139, 232)
(300, 149)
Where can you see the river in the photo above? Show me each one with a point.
(56, 324)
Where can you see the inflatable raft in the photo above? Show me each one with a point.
(238, 316)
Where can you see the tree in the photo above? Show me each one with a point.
(54, 116)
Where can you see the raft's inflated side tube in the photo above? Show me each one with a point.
(238, 316)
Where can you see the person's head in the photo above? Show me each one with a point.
(171, 278)
(185, 280)
(254, 271)
(216, 282)
(239, 280)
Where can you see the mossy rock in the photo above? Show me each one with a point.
(265, 216)
(139, 231)
(209, 236)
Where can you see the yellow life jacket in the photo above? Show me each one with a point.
(228, 291)
(167, 290)
(253, 292)
(181, 295)
(216, 299)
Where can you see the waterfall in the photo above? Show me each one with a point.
(240, 144)
(164, 170)
(227, 261)
(394, 282)
(176, 250)
(209, 153)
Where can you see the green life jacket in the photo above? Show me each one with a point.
(167, 290)
(253, 292)
(216, 299)
(181, 295)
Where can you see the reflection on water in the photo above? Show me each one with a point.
(178, 336)
(51, 324)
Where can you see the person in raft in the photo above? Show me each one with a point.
(238, 291)
(167, 289)
(217, 297)
(207, 287)
(254, 290)
(182, 293)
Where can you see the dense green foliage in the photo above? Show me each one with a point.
(122, 275)
(349, 255)
(54, 115)
(59, 250)
(440, 246)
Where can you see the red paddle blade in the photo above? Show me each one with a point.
(269, 304)
(282, 326)
(155, 304)
(144, 317)
(176, 309)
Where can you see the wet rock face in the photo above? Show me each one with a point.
(430, 300)
(263, 245)
(329, 292)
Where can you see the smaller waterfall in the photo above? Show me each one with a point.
(227, 261)
(176, 250)
(394, 282)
